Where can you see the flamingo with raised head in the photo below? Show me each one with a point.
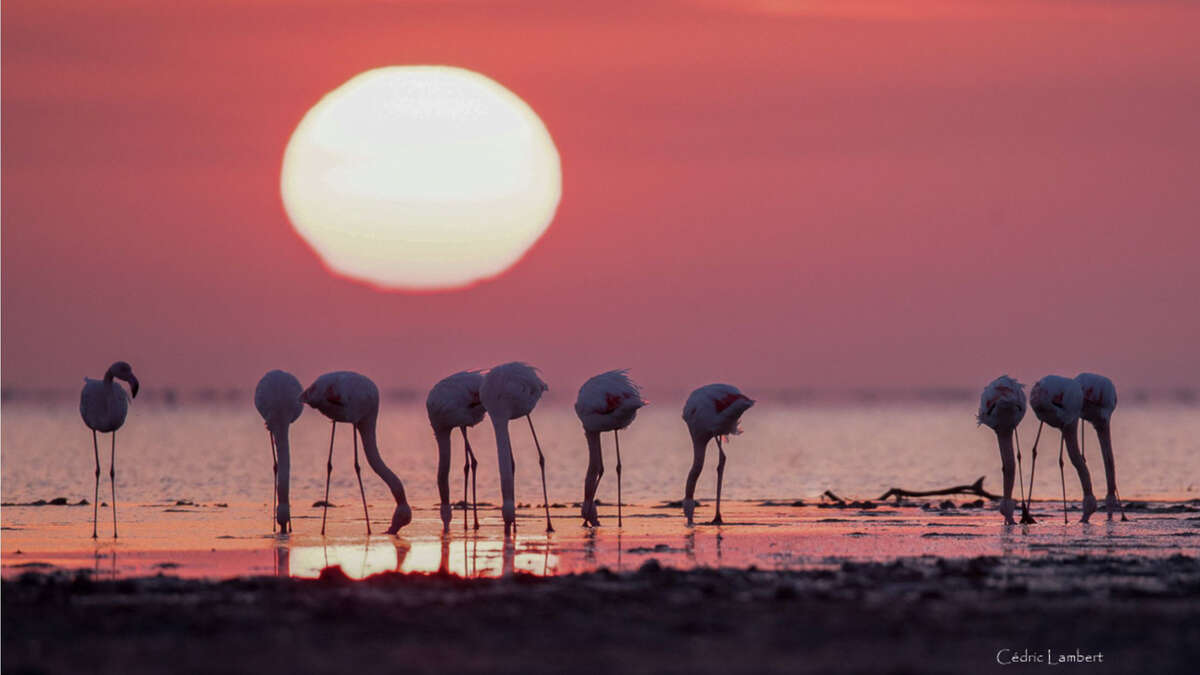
(1002, 407)
(1058, 401)
(510, 391)
(454, 403)
(1099, 402)
(344, 396)
(103, 405)
(606, 402)
(277, 398)
(712, 411)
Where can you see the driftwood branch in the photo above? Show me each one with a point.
(975, 488)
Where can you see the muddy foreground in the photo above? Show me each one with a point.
(915, 615)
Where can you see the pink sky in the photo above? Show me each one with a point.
(773, 194)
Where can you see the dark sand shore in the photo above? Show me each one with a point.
(912, 615)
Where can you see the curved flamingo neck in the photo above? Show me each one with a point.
(366, 430)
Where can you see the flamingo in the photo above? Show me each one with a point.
(103, 405)
(510, 391)
(712, 411)
(344, 396)
(606, 402)
(1058, 401)
(454, 403)
(1002, 407)
(1099, 401)
(277, 398)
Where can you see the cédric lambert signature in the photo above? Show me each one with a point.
(1008, 657)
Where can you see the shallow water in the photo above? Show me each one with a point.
(215, 459)
(207, 540)
(220, 453)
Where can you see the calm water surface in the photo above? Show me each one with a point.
(220, 453)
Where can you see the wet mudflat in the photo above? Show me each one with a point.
(924, 614)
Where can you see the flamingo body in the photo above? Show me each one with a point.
(277, 399)
(345, 396)
(1002, 407)
(1099, 402)
(607, 402)
(1099, 397)
(103, 405)
(1058, 401)
(715, 410)
(712, 411)
(454, 403)
(1002, 404)
(510, 391)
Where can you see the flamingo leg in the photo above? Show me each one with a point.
(96, 498)
(720, 479)
(1026, 518)
(1020, 471)
(112, 477)
(617, 440)
(358, 472)
(542, 465)
(474, 478)
(275, 482)
(1063, 475)
(328, 475)
(466, 475)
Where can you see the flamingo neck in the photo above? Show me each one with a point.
(504, 458)
(366, 430)
(442, 436)
(284, 457)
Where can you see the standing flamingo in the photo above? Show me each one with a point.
(103, 405)
(344, 396)
(454, 403)
(712, 411)
(1058, 401)
(1099, 401)
(277, 398)
(606, 402)
(1002, 407)
(510, 391)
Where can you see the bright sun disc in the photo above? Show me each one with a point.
(420, 177)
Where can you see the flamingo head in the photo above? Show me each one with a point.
(121, 370)
(400, 517)
(283, 515)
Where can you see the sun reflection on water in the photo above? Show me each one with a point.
(465, 557)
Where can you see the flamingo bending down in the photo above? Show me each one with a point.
(510, 391)
(1099, 401)
(103, 405)
(606, 402)
(277, 398)
(344, 396)
(712, 411)
(454, 403)
(1002, 407)
(1058, 401)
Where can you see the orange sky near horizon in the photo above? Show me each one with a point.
(773, 194)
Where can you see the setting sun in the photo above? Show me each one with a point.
(421, 177)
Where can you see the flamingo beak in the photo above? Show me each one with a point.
(133, 386)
